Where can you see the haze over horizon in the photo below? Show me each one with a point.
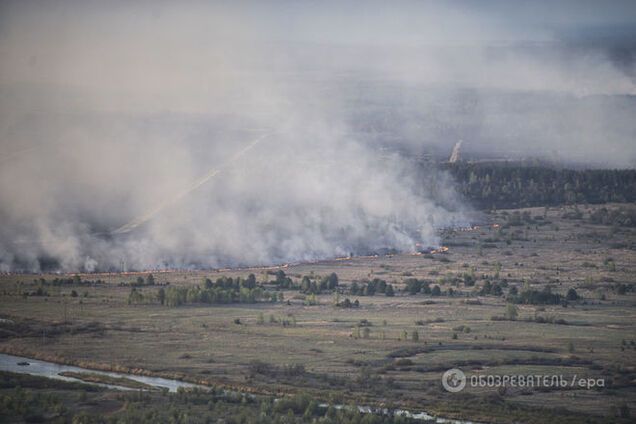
(109, 110)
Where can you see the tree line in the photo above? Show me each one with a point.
(223, 290)
(513, 185)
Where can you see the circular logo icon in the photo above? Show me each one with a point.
(454, 380)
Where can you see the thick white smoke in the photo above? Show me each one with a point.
(110, 131)
(109, 112)
(308, 190)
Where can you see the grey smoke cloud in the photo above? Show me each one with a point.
(108, 110)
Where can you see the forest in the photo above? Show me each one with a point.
(506, 185)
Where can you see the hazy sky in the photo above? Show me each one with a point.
(133, 47)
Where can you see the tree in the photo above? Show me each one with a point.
(313, 288)
(572, 294)
(280, 274)
(250, 282)
(161, 295)
(436, 291)
(498, 267)
(208, 284)
(511, 312)
(469, 279)
(305, 284)
(150, 280)
(135, 297)
(389, 291)
(175, 296)
(366, 332)
(415, 336)
(332, 281)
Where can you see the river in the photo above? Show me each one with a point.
(53, 370)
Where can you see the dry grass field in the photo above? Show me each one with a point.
(260, 347)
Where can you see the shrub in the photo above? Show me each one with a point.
(511, 312)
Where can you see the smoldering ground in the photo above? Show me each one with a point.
(109, 114)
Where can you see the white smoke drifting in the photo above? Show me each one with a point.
(130, 125)
(112, 112)
(308, 190)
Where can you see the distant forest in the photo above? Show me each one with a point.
(513, 185)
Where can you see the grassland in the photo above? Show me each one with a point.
(318, 351)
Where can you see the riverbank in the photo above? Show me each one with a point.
(23, 365)
(108, 380)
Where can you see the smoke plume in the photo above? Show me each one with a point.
(150, 135)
